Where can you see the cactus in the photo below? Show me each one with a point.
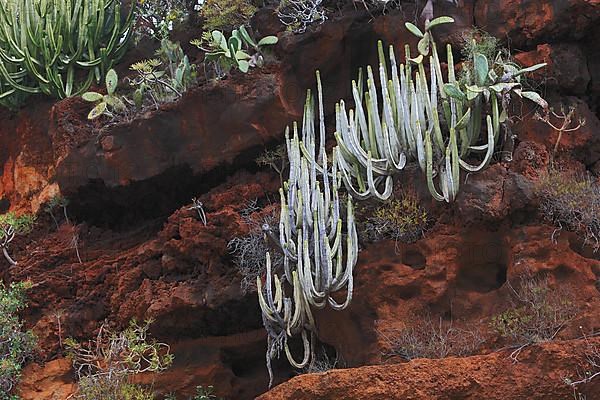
(317, 263)
(46, 44)
(434, 122)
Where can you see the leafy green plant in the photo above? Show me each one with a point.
(16, 346)
(105, 366)
(11, 226)
(182, 73)
(55, 202)
(162, 79)
(45, 45)
(227, 53)
(108, 104)
(205, 393)
(571, 203)
(224, 15)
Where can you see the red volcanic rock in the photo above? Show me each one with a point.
(180, 275)
(538, 376)
(459, 274)
(567, 68)
(53, 380)
(527, 22)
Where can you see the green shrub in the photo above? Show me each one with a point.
(157, 18)
(537, 315)
(12, 226)
(572, 203)
(55, 42)
(105, 366)
(164, 78)
(401, 219)
(224, 15)
(15, 344)
(205, 393)
(107, 388)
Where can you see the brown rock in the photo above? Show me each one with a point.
(526, 23)
(494, 377)
(567, 69)
(51, 381)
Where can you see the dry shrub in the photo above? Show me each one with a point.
(428, 338)
(249, 251)
(572, 203)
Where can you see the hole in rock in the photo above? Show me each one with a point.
(482, 262)
(121, 207)
(414, 259)
(246, 359)
(4, 205)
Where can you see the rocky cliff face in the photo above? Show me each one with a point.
(145, 254)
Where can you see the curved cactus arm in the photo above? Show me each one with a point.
(269, 309)
(489, 153)
(321, 116)
(389, 184)
(15, 84)
(397, 156)
(400, 95)
(296, 320)
(306, 355)
(350, 142)
(361, 192)
(429, 170)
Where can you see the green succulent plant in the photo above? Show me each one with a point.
(45, 45)
(231, 52)
(109, 103)
(435, 122)
(318, 238)
(164, 78)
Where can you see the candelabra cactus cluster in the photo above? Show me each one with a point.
(436, 122)
(45, 45)
(312, 230)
